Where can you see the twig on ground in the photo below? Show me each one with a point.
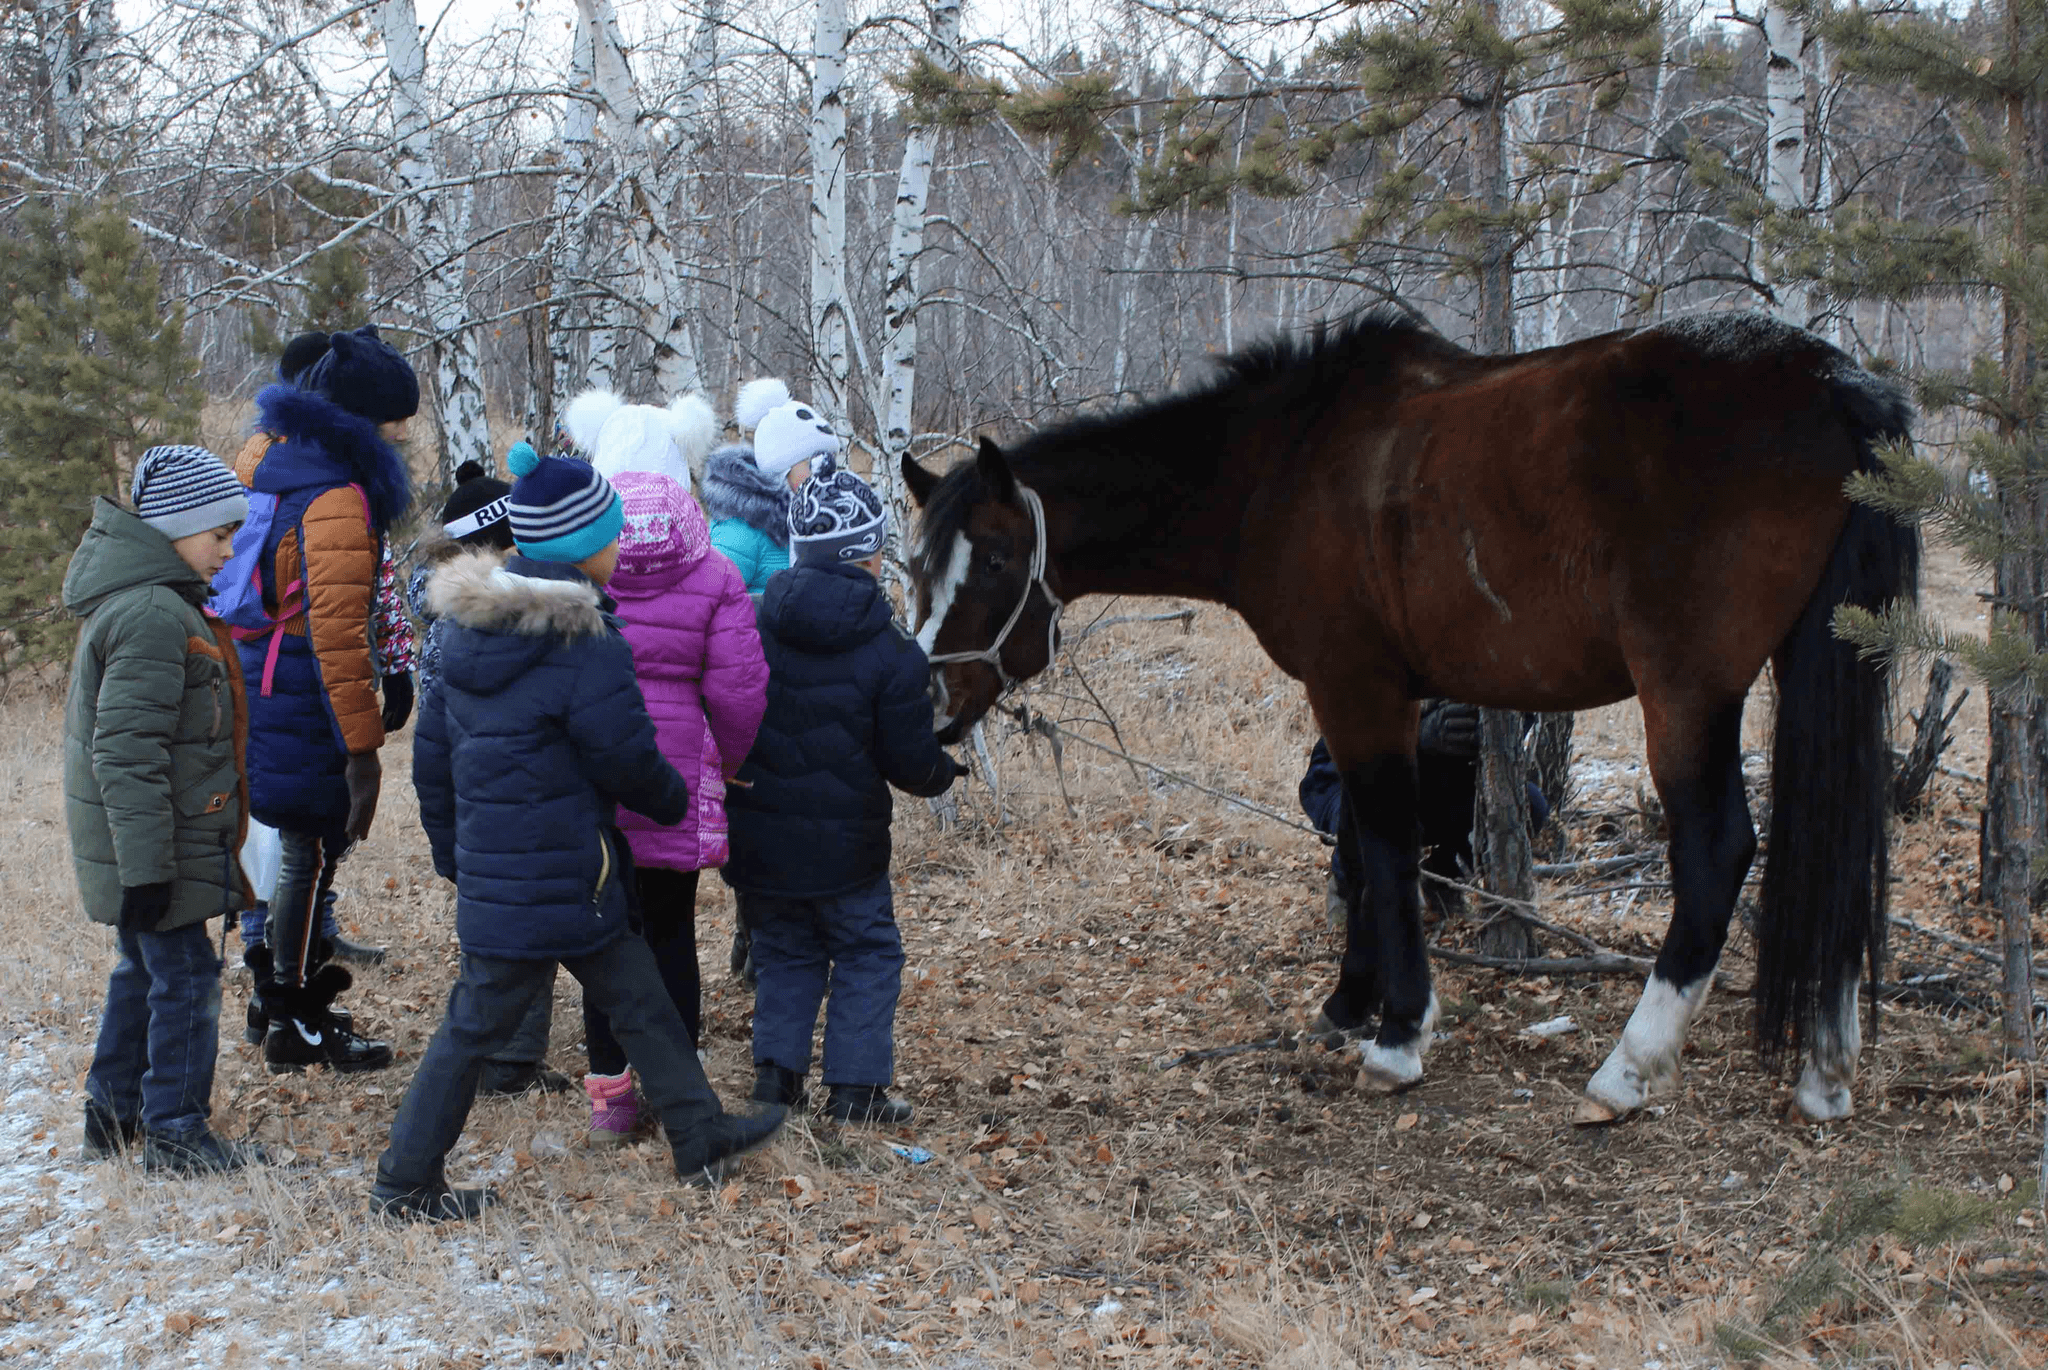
(1600, 866)
(1286, 1041)
(1949, 939)
(1606, 963)
(1186, 617)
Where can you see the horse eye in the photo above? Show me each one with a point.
(995, 562)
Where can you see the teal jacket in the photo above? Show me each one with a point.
(155, 729)
(750, 549)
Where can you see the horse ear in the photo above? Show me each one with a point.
(995, 470)
(918, 480)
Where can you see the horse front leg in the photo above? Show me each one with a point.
(1698, 772)
(1349, 1009)
(1381, 797)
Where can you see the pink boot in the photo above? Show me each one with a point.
(614, 1112)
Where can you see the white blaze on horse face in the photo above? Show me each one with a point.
(1644, 1063)
(1392, 1068)
(950, 581)
(1823, 1091)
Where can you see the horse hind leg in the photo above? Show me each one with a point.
(1712, 844)
(1822, 1094)
(1382, 795)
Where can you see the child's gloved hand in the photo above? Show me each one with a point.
(365, 777)
(961, 770)
(398, 695)
(144, 907)
(1450, 729)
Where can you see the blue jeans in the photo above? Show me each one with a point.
(843, 952)
(160, 1031)
(256, 920)
(485, 1008)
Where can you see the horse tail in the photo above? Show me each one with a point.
(1825, 876)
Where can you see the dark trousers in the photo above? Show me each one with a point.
(305, 880)
(843, 952)
(668, 915)
(529, 1043)
(485, 1008)
(160, 1032)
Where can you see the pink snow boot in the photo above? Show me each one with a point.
(614, 1111)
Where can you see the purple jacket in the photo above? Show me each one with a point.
(697, 655)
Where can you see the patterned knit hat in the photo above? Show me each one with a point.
(664, 527)
(562, 510)
(180, 491)
(835, 519)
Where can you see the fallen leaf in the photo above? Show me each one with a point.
(1420, 1221)
(1155, 1335)
(1406, 1121)
(563, 1344)
(1523, 1322)
(1421, 1296)
(1104, 1154)
(982, 1218)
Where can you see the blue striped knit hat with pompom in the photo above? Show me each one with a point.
(562, 509)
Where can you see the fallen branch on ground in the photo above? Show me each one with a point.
(1605, 963)
(1949, 939)
(1601, 866)
(1286, 1041)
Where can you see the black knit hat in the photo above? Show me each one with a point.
(358, 371)
(478, 513)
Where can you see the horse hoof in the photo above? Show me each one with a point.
(1389, 1070)
(1819, 1101)
(1592, 1113)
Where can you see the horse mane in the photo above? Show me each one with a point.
(1141, 455)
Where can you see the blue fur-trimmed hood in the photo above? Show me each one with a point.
(735, 488)
(327, 444)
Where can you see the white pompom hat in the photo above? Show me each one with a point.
(786, 431)
(670, 442)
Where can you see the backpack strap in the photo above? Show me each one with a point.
(290, 604)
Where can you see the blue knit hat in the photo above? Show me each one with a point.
(358, 371)
(562, 509)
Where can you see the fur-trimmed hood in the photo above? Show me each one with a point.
(502, 618)
(735, 488)
(324, 444)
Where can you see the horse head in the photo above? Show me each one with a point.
(987, 606)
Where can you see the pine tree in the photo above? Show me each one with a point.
(337, 299)
(1994, 509)
(93, 368)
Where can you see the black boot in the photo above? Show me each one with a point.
(304, 1030)
(742, 959)
(866, 1104)
(105, 1135)
(507, 1079)
(360, 953)
(257, 1021)
(779, 1085)
(198, 1153)
(713, 1150)
(431, 1203)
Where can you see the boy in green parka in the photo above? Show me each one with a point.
(156, 798)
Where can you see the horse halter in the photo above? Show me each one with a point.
(992, 655)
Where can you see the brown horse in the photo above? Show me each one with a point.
(1655, 513)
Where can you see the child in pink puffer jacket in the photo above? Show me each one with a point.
(697, 656)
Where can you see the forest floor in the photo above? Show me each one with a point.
(1086, 1201)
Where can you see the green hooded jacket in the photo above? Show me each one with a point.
(155, 729)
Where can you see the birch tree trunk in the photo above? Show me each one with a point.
(663, 299)
(71, 37)
(831, 363)
(1785, 135)
(425, 215)
(1501, 817)
(906, 246)
(570, 247)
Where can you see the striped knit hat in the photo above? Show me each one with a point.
(180, 491)
(562, 509)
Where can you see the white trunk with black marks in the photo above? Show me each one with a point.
(572, 232)
(429, 220)
(831, 361)
(662, 294)
(72, 37)
(1785, 138)
(903, 294)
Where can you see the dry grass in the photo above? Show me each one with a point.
(1081, 1208)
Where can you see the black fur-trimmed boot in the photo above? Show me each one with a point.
(778, 1085)
(305, 1031)
(106, 1136)
(261, 971)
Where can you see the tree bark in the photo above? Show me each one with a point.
(1500, 837)
(1931, 737)
(430, 228)
(570, 247)
(831, 362)
(664, 307)
(1785, 137)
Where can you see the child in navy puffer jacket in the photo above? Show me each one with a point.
(534, 737)
(849, 715)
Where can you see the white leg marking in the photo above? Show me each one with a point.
(1644, 1062)
(1392, 1068)
(942, 593)
(1823, 1091)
